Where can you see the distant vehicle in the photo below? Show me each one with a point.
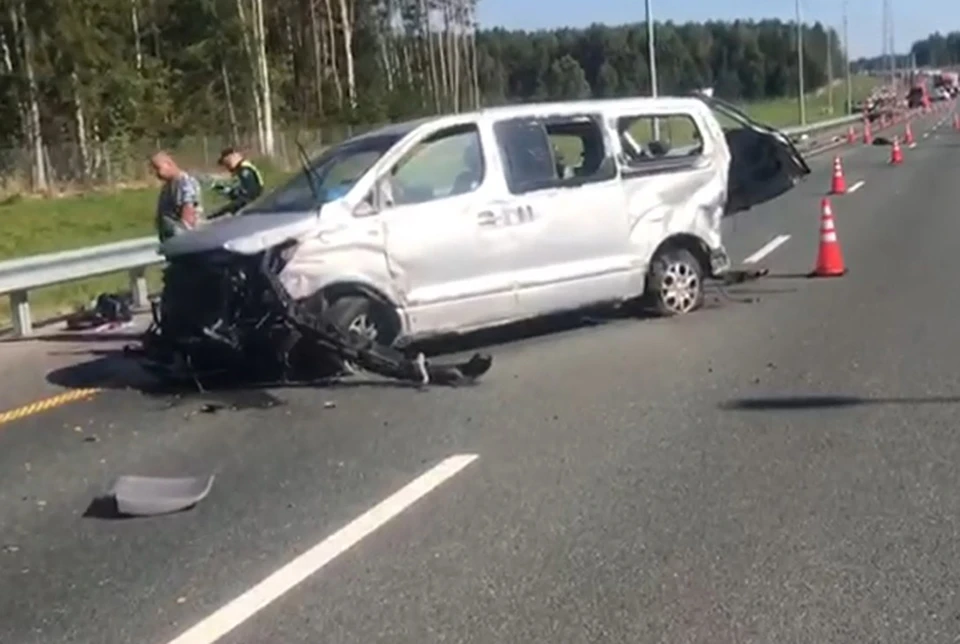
(455, 223)
(949, 82)
(918, 96)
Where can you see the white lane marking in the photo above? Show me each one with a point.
(231, 615)
(768, 248)
(856, 186)
(912, 145)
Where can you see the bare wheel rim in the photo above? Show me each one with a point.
(362, 327)
(680, 287)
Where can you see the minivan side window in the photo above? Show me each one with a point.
(445, 164)
(649, 140)
(553, 152)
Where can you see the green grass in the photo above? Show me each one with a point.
(33, 225)
(785, 112)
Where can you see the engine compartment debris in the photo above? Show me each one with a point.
(229, 314)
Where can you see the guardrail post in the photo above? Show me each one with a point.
(20, 312)
(138, 288)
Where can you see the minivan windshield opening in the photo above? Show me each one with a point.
(333, 173)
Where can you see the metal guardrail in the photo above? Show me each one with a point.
(819, 126)
(18, 277)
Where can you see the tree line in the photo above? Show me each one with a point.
(86, 81)
(936, 50)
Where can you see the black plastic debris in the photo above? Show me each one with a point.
(109, 310)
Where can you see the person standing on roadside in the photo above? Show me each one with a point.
(180, 204)
(249, 181)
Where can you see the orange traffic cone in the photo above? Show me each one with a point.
(867, 133)
(908, 135)
(896, 153)
(956, 122)
(839, 184)
(829, 256)
(851, 136)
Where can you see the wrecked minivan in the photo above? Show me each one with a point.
(456, 223)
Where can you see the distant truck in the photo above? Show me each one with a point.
(919, 94)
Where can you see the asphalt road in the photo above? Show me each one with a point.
(776, 468)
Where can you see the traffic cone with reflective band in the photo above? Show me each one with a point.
(851, 135)
(867, 133)
(829, 256)
(839, 184)
(908, 135)
(896, 153)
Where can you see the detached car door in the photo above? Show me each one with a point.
(764, 164)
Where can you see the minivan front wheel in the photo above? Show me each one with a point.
(675, 285)
(362, 319)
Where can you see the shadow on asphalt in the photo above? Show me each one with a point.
(112, 369)
(801, 403)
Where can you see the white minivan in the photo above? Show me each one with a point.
(460, 222)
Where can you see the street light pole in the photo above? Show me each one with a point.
(651, 51)
(652, 58)
(846, 59)
(802, 98)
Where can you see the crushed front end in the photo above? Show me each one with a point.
(223, 313)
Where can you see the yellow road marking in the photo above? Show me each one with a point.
(47, 403)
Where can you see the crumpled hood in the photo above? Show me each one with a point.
(247, 234)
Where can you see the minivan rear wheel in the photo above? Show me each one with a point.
(675, 285)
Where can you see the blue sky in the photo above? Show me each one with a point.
(912, 20)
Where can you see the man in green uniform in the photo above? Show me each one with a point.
(249, 181)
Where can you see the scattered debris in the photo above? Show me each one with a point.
(329, 404)
(91, 439)
(107, 312)
(10, 548)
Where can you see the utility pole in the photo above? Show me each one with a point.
(802, 98)
(846, 59)
(830, 69)
(652, 57)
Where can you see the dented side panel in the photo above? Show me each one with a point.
(685, 198)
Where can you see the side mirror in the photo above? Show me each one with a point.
(364, 209)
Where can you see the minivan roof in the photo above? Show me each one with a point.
(532, 109)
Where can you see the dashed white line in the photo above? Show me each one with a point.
(233, 614)
(768, 248)
(912, 145)
(856, 186)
